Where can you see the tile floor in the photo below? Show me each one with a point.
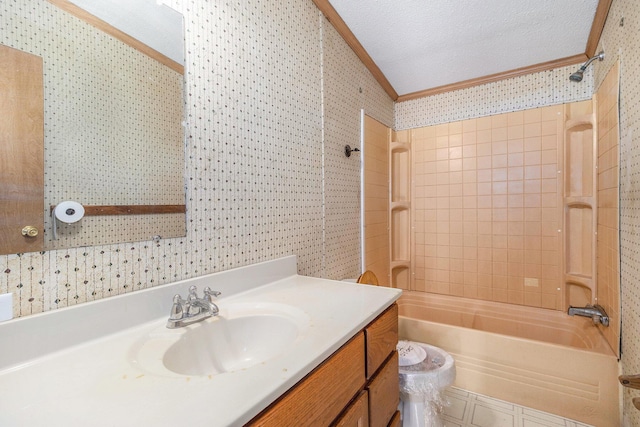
(468, 409)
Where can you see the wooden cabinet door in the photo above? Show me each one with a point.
(21, 150)
(320, 397)
(356, 414)
(384, 393)
(382, 337)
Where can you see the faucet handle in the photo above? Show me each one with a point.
(209, 294)
(193, 292)
(192, 309)
(177, 309)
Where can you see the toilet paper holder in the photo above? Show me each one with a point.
(68, 212)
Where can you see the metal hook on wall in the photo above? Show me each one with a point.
(348, 150)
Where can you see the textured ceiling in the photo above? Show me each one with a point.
(423, 44)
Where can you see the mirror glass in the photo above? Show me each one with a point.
(107, 131)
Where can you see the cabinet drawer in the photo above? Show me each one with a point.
(322, 395)
(382, 338)
(356, 414)
(383, 393)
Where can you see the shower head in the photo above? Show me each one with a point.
(578, 75)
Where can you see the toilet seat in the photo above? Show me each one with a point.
(368, 278)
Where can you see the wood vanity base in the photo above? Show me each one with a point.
(355, 387)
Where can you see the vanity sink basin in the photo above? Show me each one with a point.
(227, 345)
(241, 336)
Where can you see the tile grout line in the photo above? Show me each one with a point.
(496, 408)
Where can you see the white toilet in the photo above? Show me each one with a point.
(425, 371)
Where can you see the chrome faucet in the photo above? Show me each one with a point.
(596, 312)
(193, 309)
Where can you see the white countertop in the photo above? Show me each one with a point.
(90, 379)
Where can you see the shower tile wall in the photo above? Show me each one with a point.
(486, 207)
(376, 199)
(621, 41)
(254, 160)
(517, 94)
(608, 267)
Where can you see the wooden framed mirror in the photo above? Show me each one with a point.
(99, 121)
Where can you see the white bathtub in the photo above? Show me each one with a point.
(543, 359)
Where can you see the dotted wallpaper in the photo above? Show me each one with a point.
(519, 93)
(113, 133)
(256, 160)
(348, 87)
(621, 42)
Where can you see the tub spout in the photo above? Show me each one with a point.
(596, 312)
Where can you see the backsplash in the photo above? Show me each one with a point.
(265, 171)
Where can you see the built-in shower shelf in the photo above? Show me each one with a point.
(401, 274)
(400, 224)
(399, 147)
(579, 278)
(398, 206)
(400, 209)
(401, 263)
(577, 123)
(578, 202)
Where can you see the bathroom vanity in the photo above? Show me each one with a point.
(284, 350)
(356, 386)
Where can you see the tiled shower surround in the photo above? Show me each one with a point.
(486, 207)
(621, 42)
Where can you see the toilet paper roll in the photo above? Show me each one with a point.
(69, 212)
